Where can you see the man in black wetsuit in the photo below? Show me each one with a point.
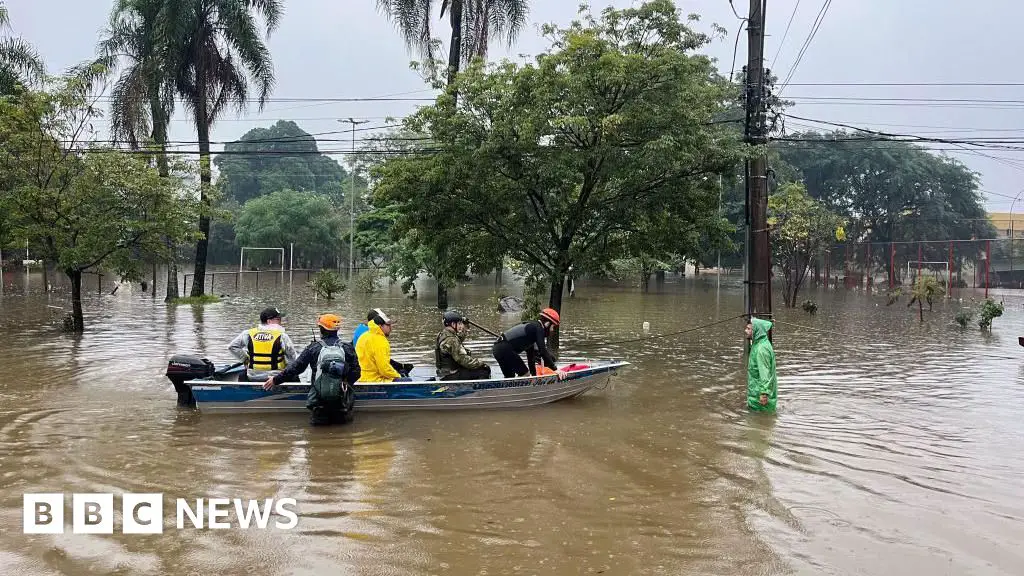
(531, 338)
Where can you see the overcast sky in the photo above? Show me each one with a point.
(346, 49)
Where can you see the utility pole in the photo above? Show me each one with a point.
(352, 199)
(759, 288)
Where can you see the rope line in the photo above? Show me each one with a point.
(657, 336)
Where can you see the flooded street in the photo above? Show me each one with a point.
(895, 450)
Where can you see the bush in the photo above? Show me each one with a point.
(197, 300)
(366, 281)
(989, 311)
(326, 283)
(964, 317)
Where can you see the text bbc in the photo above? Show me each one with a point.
(143, 513)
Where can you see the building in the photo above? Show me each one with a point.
(1004, 222)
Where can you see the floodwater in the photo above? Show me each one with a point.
(895, 450)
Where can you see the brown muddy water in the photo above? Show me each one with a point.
(895, 450)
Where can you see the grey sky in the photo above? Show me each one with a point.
(345, 49)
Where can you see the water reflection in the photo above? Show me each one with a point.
(887, 429)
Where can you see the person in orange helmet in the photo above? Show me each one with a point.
(529, 337)
(337, 408)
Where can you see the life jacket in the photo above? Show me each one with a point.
(265, 351)
(333, 384)
(518, 337)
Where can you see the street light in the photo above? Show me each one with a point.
(352, 200)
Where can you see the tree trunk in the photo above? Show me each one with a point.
(455, 50)
(555, 301)
(659, 277)
(442, 296)
(205, 179)
(172, 281)
(645, 281)
(696, 268)
(920, 310)
(77, 319)
(46, 278)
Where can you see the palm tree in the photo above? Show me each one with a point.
(142, 100)
(474, 24)
(216, 49)
(20, 64)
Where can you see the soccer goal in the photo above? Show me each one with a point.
(938, 270)
(241, 259)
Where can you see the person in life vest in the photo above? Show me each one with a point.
(374, 352)
(453, 361)
(265, 348)
(529, 337)
(762, 382)
(333, 371)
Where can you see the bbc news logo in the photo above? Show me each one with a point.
(143, 513)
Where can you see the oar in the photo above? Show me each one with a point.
(471, 323)
(1020, 340)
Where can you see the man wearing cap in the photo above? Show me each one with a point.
(266, 347)
(374, 352)
(321, 413)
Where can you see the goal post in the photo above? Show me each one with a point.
(241, 258)
(939, 269)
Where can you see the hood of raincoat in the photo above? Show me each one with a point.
(760, 328)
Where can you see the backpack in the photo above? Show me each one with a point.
(335, 376)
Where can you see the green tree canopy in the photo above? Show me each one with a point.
(889, 190)
(82, 207)
(281, 157)
(281, 218)
(800, 227)
(564, 161)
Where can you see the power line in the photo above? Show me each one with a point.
(786, 33)
(908, 84)
(803, 49)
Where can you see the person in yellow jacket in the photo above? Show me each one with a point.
(374, 352)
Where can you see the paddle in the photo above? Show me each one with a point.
(1020, 340)
(471, 323)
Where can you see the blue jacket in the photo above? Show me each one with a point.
(359, 331)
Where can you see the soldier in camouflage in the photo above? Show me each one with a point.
(453, 360)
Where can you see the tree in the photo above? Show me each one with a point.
(20, 64)
(889, 191)
(474, 24)
(282, 218)
(142, 100)
(84, 207)
(800, 228)
(216, 51)
(281, 157)
(563, 162)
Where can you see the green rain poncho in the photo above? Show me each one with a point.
(761, 368)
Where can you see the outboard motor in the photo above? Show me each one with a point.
(184, 367)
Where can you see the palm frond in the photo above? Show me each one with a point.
(21, 60)
(412, 19)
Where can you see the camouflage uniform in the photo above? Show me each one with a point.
(454, 361)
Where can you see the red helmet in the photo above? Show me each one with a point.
(552, 315)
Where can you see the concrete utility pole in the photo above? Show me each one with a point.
(759, 265)
(352, 199)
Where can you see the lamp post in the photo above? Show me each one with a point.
(1017, 197)
(352, 199)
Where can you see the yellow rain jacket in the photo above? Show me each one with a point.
(374, 352)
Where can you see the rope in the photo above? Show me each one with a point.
(656, 336)
(815, 329)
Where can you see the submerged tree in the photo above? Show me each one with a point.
(84, 207)
(562, 162)
(800, 228)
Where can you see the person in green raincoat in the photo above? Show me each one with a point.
(762, 384)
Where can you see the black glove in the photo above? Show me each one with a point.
(407, 368)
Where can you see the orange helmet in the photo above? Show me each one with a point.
(552, 315)
(329, 322)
